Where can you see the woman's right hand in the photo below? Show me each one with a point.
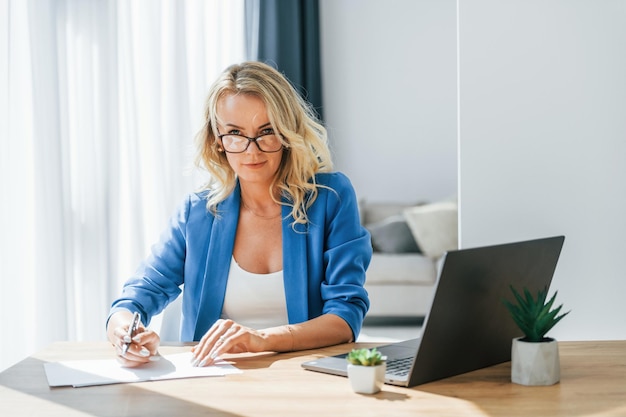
(144, 345)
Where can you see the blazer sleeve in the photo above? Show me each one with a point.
(156, 281)
(347, 254)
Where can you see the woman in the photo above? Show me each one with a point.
(271, 253)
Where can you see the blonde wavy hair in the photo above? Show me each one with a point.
(305, 151)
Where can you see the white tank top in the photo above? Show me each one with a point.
(255, 300)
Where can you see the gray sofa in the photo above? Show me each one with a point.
(409, 241)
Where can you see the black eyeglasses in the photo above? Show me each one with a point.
(267, 142)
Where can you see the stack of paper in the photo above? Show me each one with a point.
(108, 371)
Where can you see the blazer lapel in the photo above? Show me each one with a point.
(218, 260)
(295, 269)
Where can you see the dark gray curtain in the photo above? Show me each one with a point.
(285, 34)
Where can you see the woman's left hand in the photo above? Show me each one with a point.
(227, 336)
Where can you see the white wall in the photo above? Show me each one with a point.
(543, 144)
(389, 76)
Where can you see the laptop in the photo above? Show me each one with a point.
(468, 326)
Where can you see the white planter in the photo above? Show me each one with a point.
(535, 363)
(367, 379)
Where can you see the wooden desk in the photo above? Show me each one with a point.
(593, 383)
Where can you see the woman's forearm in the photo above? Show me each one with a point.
(325, 330)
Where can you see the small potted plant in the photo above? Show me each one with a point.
(534, 357)
(366, 370)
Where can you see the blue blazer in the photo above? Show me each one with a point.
(324, 262)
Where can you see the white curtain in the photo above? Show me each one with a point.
(99, 103)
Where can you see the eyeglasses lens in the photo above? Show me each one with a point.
(238, 143)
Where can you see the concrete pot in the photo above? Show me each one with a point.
(367, 379)
(535, 363)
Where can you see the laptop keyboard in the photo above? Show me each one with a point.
(399, 366)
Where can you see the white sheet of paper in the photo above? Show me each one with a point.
(85, 373)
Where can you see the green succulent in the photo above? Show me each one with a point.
(534, 316)
(365, 357)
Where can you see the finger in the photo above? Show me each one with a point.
(124, 339)
(145, 337)
(142, 355)
(199, 351)
(122, 334)
(202, 342)
(208, 341)
(226, 343)
(134, 349)
(218, 328)
(149, 340)
(130, 361)
(141, 338)
(202, 355)
(135, 356)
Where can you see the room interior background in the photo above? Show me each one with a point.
(539, 98)
(526, 124)
(390, 96)
(542, 151)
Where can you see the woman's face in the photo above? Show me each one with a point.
(246, 115)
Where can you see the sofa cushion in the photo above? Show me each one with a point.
(392, 235)
(401, 268)
(434, 227)
(374, 212)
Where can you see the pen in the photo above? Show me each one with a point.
(131, 331)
